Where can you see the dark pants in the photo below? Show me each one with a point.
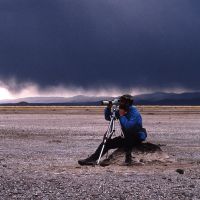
(118, 142)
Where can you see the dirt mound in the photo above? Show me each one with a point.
(144, 154)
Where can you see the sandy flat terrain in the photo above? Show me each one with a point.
(39, 149)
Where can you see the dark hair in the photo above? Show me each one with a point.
(126, 99)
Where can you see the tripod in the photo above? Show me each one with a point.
(109, 133)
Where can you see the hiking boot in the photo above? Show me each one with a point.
(88, 161)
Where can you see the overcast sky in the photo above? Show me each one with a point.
(100, 44)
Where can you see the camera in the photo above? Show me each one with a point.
(111, 102)
(124, 101)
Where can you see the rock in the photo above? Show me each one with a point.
(106, 162)
(147, 147)
(180, 171)
(192, 186)
(144, 153)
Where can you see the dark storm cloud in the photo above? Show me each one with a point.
(92, 43)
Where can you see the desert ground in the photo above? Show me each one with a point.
(40, 146)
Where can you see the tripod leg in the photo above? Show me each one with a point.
(101, 154)
(109, 133)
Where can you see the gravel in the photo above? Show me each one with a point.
(39, 153)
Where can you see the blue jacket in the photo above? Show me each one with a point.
(131, 122)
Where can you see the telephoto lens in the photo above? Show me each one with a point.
(112, 102)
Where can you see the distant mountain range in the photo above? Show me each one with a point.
(76, 100)
(158, 98)
(161, 98)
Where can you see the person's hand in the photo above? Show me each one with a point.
(122, 112)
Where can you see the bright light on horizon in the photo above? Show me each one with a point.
(33, 90)
(5, 94)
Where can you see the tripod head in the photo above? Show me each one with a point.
(115, 109)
